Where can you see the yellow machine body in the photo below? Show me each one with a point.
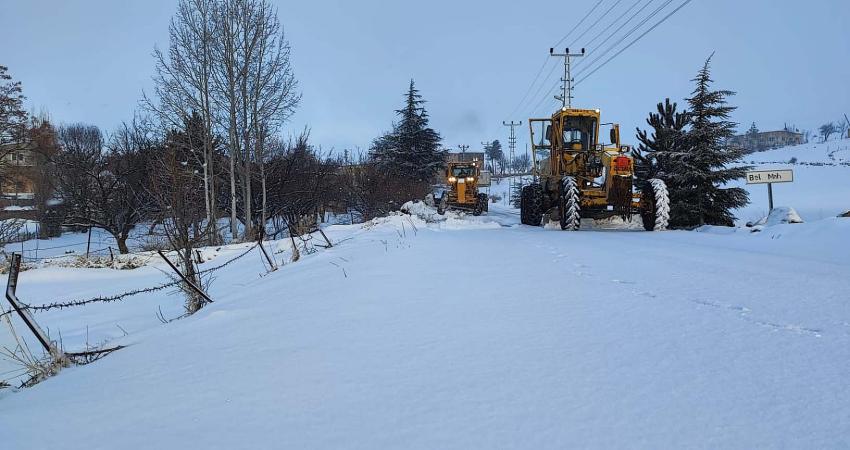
(462, 181)
(568, 144)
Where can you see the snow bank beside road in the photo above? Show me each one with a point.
(451, 220)
(540, 339)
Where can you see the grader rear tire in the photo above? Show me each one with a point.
(531, 205)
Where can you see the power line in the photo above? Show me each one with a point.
(530, 87)
(546, 61)
(597, 20)
(579, 23)
(574, 41)
(546, 97)
(605, 30)
(625, 36)
(636, 39)
(614, 34)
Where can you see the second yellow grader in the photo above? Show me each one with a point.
(463, 180)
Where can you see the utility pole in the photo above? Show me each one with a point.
(567, 86)
(463, 149)
(512, 138)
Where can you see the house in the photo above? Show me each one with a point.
(465, 157)
(754, 142)
(18, 170)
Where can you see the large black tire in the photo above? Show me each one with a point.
(569, 204)
(480, 205)
(655, 205)
(531, 204)
(486, 202)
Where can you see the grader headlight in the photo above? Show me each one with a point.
(452, 179)
(470, 179)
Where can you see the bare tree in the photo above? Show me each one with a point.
(229, 61)
(842, 127)
(183, 84)
(102, 185)
(827, 130)
(176, 190)
(256, 91)
(302, 183)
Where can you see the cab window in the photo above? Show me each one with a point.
(579, 133)
(462, 172)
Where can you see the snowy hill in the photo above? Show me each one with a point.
(464, 334)
(821, 187)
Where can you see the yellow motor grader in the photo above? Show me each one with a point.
(462, 182)
(576, 176)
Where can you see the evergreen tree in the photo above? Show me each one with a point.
(754, 130)
(494, 154)
(412, 149)
(657, 153)
(708, 163)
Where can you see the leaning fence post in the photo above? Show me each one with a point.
(11, 287)
(272, 263)
(183, 277)
(326, 238)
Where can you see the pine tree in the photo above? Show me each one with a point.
(494, 154)
(412, 149)
(754, 130)
(516, 192)
(708, 163)
(658, 152)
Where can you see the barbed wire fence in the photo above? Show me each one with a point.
(40, 369)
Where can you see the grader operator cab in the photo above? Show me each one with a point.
(462, 182)
(576, 176)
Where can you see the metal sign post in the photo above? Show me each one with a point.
(769, 177)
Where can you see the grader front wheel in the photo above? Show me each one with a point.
(569, 204)
(655, 205)
(480, 205)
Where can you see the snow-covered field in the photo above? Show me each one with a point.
(821, 186)
(470, 333)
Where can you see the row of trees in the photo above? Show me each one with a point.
(227, 69)
(498, 162)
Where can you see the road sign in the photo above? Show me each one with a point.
(770, 176)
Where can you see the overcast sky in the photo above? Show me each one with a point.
(90, 60)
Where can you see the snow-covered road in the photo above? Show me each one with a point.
(505, 336)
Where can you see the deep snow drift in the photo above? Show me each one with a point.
(464, 333)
